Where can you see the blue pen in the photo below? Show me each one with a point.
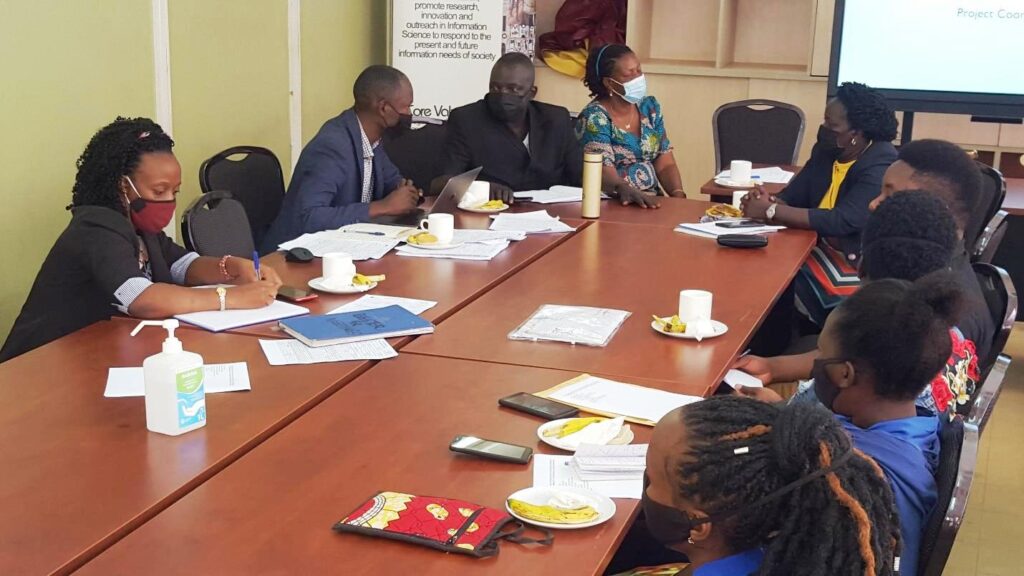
(256, 263)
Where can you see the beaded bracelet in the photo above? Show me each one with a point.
(224, 267)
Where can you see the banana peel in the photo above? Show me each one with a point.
(724, 211)
(571, 427)
(361, 280)
(422, 238)
(551, 514)
(493, 205)
(673, 325)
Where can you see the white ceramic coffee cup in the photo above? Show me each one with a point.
(479, 192)
(338, 269)
(440, 225)
(737, 198)
(739, 171)
(694, 305)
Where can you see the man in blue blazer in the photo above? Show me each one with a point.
(343, 176)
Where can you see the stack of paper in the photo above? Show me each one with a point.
(593, 462)
(233, 377)
(371, 301)
(288, 352)
(713, 230)
(615, 471)
(468, 251)
(379, 230)
(359, 246)
(572, 324)
(554, 195)
(609, 398)
(530, 223)
(770, 175)
(486, 236)
(220, 320)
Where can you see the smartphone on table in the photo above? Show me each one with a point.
(491, 449)
(537, 406)
(739, 224)
(294, 294)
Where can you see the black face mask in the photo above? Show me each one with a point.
(506, 107)
(827, 141)
(824, 388)
(403, 125)
(670, 526)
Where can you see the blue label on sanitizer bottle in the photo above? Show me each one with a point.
(191, 398)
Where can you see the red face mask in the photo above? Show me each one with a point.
(149, 216)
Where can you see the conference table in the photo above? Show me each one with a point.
(88, 487)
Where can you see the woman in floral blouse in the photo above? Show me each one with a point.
(627, 127)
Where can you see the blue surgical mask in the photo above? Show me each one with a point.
(634, 90)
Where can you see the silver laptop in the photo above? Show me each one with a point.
(446, 203)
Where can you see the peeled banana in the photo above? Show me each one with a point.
(361, 280)
(422, 238)
(551, 514)
(571, 427)
(673, 324)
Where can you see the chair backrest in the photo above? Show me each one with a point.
(761, 131)
(215, 224)
(990, 200)
(958, 457)
(988, 393)
(991, 238)
(417, 153)
(253, 176)
(1001, 298)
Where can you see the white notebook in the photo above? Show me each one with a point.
(218, 321)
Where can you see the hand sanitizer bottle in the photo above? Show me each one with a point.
(175, 396)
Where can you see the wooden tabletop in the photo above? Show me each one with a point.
(724, 193)
(81, 470)
(673, 211)
(272, 511)
(610, 265)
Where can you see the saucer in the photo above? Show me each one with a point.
(484, 210)
(718, 327)
(542, 495)
(318, 284)
(730, 184)
(625, 435)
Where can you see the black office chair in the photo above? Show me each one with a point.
(991, 238)
(985, 400)
(417, 154)
(761, 131)
(957, 460)
(1001, 298)
(215, 224)
(253, 176)
(990, 200)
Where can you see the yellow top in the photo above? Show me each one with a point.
(839, 170)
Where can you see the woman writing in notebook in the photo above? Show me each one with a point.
(113, 255)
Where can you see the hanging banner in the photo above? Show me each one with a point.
(447, 48)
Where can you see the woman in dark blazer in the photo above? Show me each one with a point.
(832, 194)
(114, 257)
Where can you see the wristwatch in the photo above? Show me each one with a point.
(769, 214)
(222, 293)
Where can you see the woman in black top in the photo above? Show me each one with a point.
(855, 140)
(113, 256)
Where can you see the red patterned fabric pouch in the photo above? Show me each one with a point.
(439, 523)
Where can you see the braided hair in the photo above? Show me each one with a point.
(899, 331)
(114, 152)
(843, 523)
(600, 65)
(868, 111)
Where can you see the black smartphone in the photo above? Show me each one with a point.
(293, 294)
(491, 449)
(537, 406)
(738, 224)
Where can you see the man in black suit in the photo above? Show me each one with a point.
(522, 144)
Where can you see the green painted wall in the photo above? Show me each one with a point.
(339, 39)
(70, 66)
(67, 68)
